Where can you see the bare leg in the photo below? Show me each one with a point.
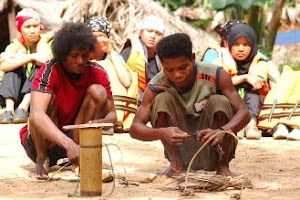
(25, 102)
(41, 169)
(174, 155)
(222, 168)
(41, 145)
(9, 102)
(93, 107)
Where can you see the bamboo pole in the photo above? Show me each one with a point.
(90, 142)
(90, 161)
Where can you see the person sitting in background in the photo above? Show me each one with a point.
(249, 75)
(20, 62)
(140, 53)
(69, 89)
(232, 64)
(213, 54)
(123, 80)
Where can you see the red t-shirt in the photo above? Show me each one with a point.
(69, 92)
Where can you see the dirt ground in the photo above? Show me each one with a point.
(272, 166)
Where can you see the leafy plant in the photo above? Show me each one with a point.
(202, 23)
(174, 4)
(223, 4)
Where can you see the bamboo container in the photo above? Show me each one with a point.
(90, 142)
(90, 161)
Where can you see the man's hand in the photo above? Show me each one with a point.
(174, 136)
(256, 82)
(206, 134)
(73, 152)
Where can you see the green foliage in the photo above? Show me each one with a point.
(175, 4)
(223, 4)
(290, 3)
(202, 23)
(260, 3)
(219, 4)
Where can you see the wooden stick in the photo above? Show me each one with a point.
(279, 105)
(89, 125)
(294, 109)
(272, 110)
(279, 115)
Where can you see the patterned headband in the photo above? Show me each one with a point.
(99, 24)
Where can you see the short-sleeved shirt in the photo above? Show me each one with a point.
(206, 84)
(69, 89)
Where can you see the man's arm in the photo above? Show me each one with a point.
(242, 116)
(140, 131)
(41, 121)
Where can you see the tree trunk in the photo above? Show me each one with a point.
(255, 19)
(274, 24)
(12, 22)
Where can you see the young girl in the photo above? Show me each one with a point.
(249, 75)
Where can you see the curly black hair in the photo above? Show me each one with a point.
(175, 45)
(72, 35)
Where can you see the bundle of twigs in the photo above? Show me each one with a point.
(203, 181)
(207, 181)
(125, 14)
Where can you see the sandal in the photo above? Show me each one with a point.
(6, 117)
(20, 116)
(252, 132)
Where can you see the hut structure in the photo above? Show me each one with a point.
(122, 14)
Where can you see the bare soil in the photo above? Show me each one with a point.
(272, 166)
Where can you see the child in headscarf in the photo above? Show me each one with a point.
(250, 75)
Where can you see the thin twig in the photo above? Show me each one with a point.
(185, 191)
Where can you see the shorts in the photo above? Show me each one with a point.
(54, 154)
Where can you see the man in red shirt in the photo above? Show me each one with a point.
(67, 90)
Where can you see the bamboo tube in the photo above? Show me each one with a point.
(90, 161)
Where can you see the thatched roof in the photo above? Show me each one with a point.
(125, 14)
(122, 14)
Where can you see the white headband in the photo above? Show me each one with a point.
(152, 22)
(28, 12)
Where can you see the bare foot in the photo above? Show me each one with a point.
(225, 171)
(41, 169)
(172, 169)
